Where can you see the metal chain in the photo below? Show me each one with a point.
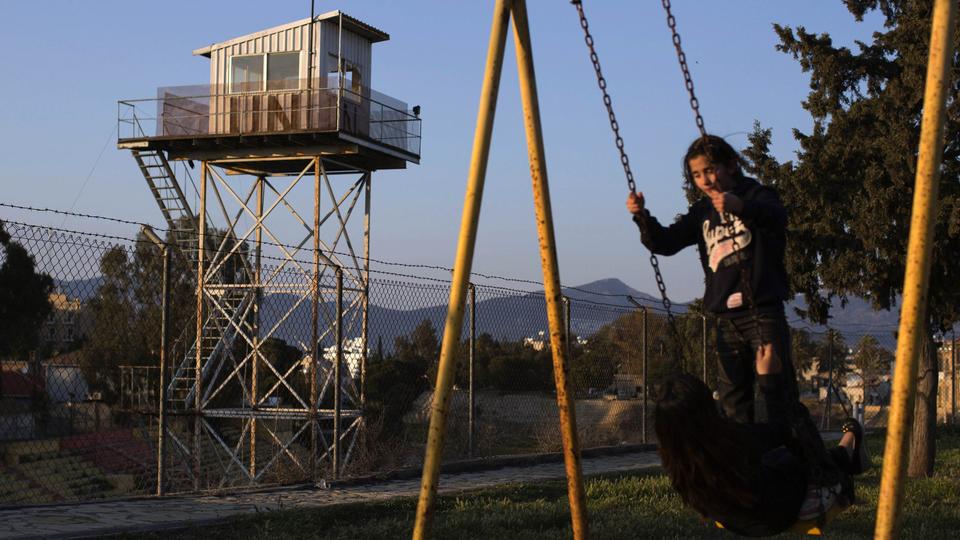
(682, 58)
(625, 161)
(726, 218)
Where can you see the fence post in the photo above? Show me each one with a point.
(703, 344)
(164, 337)
(336, 376)
(643, 372)
(953, 376)
(825, 420)
(164, 340)
(365, 329)
(471, 398)
(566, 324)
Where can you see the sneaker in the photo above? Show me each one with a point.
(818, 501)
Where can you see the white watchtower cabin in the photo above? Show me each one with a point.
(285, 139)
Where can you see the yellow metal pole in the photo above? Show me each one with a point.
(916, 280)
(461, 271)
(551, 272)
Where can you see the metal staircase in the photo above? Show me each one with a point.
(218, 334)
(166, 190)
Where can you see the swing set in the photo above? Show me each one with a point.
(916, 282)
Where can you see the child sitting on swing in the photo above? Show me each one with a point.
(750, 478)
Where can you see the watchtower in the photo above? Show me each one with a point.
(285, 139)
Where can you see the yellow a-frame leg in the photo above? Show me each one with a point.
(464, 262)
(916, 282)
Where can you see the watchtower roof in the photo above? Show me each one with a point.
(375, 35)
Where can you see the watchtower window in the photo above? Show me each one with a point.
(282, 72)
(246, 73)
(352, 83)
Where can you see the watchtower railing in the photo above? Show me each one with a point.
(217, 110)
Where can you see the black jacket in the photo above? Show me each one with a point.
(761, 239)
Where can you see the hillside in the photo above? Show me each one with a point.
(514, 316)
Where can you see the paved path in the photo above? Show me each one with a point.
(103, 518)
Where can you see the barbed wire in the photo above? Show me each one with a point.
(81, 233)
(72, 214)
(289, 246)
(60, 240)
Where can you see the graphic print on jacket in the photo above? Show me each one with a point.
(719, 246)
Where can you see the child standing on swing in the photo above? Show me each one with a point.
(755, 251)
(739, 227)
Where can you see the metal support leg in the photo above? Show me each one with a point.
(198, 375)
(551, 273)
(461, 271)
(314, 316)
(913, 310)
(255, 337)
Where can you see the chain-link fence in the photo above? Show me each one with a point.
(64, 434)
(80, 409)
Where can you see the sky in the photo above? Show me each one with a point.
(67, 63)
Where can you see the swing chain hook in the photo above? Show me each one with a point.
(625, 161)
(682, 58)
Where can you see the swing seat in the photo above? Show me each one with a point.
(809, 527)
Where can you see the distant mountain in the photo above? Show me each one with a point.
(503, 315)
(512, 316)
(610, 291)
(853, 320)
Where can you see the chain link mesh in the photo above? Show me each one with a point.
(78, 411)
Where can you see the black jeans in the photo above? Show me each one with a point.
(737, 341)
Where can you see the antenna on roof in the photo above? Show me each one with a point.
(310, 47)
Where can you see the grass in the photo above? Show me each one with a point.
(620, 507)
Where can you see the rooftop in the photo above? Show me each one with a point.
(356, 26)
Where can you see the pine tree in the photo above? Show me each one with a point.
(24, 298)
(849, 190)
(127, 312)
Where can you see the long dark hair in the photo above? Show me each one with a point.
(702, 452)
(718, 151)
